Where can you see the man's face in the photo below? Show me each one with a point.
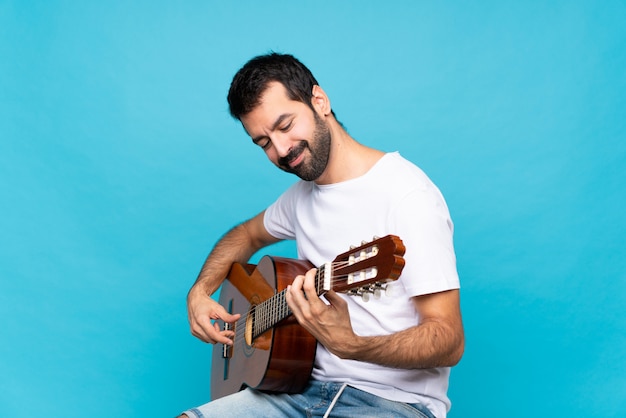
(292, 135)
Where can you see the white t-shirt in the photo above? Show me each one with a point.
(393, 197)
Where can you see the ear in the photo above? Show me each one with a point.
(320, 101)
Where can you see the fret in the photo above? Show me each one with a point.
(269, 312)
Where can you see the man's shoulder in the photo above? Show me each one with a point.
(405, 170)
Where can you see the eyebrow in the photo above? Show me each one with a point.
(276, 124)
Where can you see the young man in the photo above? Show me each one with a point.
(386, 357)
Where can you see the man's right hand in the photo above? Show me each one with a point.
(202, 310)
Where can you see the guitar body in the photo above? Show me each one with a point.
(280, 359)
(270, 350)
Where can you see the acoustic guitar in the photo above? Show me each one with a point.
(270, 350)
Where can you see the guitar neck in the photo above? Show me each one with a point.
(271, 311)
(268, 313)
(361, 271)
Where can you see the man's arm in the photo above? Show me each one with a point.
(437, 341)
(237, 245)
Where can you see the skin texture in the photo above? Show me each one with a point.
(300, 139)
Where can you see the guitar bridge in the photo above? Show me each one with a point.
(227, 350)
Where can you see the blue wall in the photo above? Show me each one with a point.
(120, 167)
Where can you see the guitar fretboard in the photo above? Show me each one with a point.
(274, 309)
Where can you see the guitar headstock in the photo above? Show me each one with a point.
(365, 269)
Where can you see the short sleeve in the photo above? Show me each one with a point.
(427, 233)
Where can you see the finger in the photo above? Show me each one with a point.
(203, 327)
(219, 312)
(227, 317)
(309, 284)
(295, 289)
(295, 296)
(229, 334)
(310, 289)
(211, 332)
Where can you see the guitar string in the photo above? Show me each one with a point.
(274, 309)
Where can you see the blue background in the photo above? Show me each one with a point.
(120, 168)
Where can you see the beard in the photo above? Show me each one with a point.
(310, 168)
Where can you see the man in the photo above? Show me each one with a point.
(386, 357)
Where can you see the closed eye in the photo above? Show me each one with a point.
(286, 127)
(265, 144)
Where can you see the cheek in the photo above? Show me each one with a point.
(271, 155)
(305, 131)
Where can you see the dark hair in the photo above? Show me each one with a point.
(253, 78)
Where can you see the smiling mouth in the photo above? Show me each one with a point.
(293, 163)
(294, 158)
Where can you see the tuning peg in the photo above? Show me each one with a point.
(368, 290)
(377, 289)
(389, 291)
(376, 237)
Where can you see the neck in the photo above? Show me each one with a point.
(348, 158)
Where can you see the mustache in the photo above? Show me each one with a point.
(295, 151)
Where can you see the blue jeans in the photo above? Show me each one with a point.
(314, 401)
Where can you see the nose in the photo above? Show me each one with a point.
(281, 144)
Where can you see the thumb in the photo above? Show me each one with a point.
(226, 317)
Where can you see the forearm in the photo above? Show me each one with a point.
(233, 247)
(430, 344)
(237, 245)
(436, 341)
